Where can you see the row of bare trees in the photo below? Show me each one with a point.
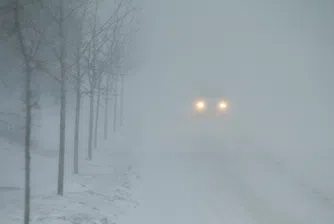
(82, 51)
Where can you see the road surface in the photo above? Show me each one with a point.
(218, 184)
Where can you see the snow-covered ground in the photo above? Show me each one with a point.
(211, 180)
(182, 180)
(99, 194)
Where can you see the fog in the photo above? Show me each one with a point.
(271, 60)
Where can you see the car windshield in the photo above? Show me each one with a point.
(166, 112)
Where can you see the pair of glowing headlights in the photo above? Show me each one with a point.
(201, 105)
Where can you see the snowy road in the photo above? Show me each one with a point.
(218, 185)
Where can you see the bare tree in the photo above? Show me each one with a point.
(125, 61)
(104, 65)
(77, 108)
(121, 113)
(59, 46)
(62, 58)
(116, 82)
(118, 43)
(108, 86)
(97, 110)
(115, 97)
(62, 14)
(24, 29)
(28, 111)
(106, 107)
(78, 77)
(92, 81)
(94, 75)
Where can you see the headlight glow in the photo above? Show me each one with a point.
(200, 105)
(222, 105)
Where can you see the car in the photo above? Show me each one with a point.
(210, 107)
(202, 117)
(209, 112)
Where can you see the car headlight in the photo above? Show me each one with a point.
(200, 105)
(222, 105)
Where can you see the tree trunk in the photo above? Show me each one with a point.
(92, 89)
(91, 117)
(61, 162)
(106, 109)
(28, 114)
(122, 102)
(115, 105)
(27, 149)
(77, 118)
(97, 112)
